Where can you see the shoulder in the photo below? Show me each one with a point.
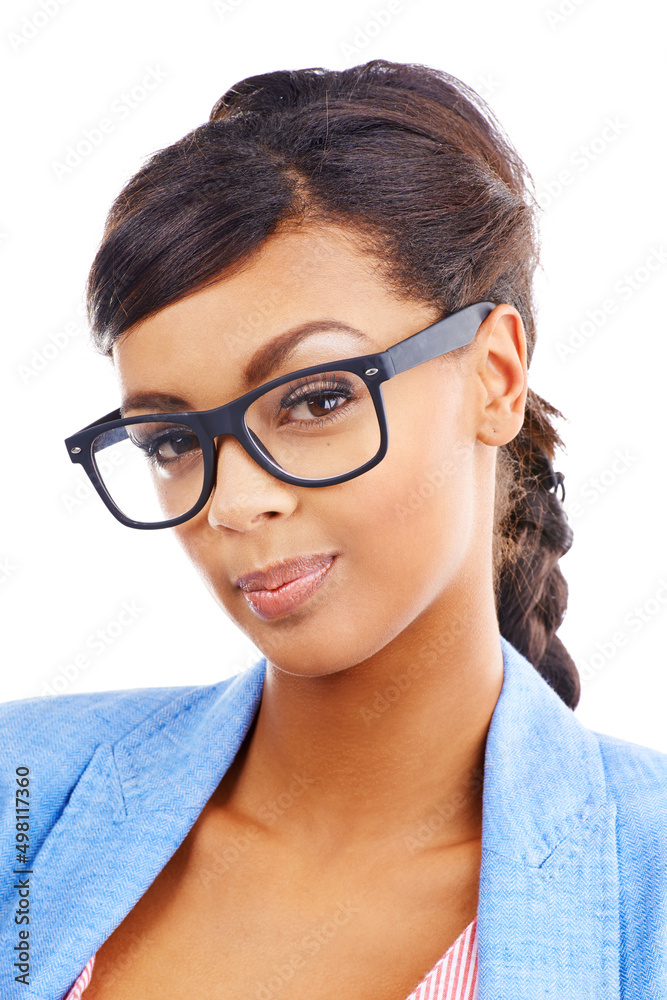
(637, 773)
(47, 743)
(70, 722)
(636, 779)
(57, 735)
(72, 726)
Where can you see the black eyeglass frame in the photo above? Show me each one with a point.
(445, 335)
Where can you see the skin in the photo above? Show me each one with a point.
(408, 607)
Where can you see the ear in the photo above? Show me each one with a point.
(503, 371)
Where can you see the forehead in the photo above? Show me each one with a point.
(298, 276)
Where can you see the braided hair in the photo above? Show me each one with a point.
(415, 163)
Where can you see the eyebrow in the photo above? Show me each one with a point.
(261, 364)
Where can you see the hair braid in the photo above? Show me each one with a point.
(532, 532)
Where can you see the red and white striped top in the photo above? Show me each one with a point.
(453, 977)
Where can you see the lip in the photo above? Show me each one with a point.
(285, 586)
(283, 572)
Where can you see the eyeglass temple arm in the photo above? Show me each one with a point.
(455, 330)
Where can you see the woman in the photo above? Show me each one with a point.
(397, 799)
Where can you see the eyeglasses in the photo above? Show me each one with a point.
(317, 426)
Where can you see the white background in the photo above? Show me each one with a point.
(557, 74)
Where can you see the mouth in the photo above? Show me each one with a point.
(285, 587)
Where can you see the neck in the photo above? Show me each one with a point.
(390, 750)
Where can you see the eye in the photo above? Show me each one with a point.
(167, 445)
(324, 395)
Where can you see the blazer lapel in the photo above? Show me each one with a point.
(548, 919)
(131, 808)
(548, 897)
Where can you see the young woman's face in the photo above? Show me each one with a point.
(403, 533)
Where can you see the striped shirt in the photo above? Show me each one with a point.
(453, 977)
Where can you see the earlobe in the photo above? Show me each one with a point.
(503, 372)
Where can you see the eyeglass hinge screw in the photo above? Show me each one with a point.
(371, 371)
(75, 451)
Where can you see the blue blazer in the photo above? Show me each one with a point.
(573, 879)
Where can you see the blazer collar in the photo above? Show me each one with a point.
(548, 917)
(548, 893)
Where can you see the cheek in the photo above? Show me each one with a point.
(427, 473)
(409, 520)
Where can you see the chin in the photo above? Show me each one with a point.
(305, 659)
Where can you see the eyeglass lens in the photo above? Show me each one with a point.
(316, 427)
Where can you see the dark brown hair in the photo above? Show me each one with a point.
(414, 163)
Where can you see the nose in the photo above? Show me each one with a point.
(245, 494)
